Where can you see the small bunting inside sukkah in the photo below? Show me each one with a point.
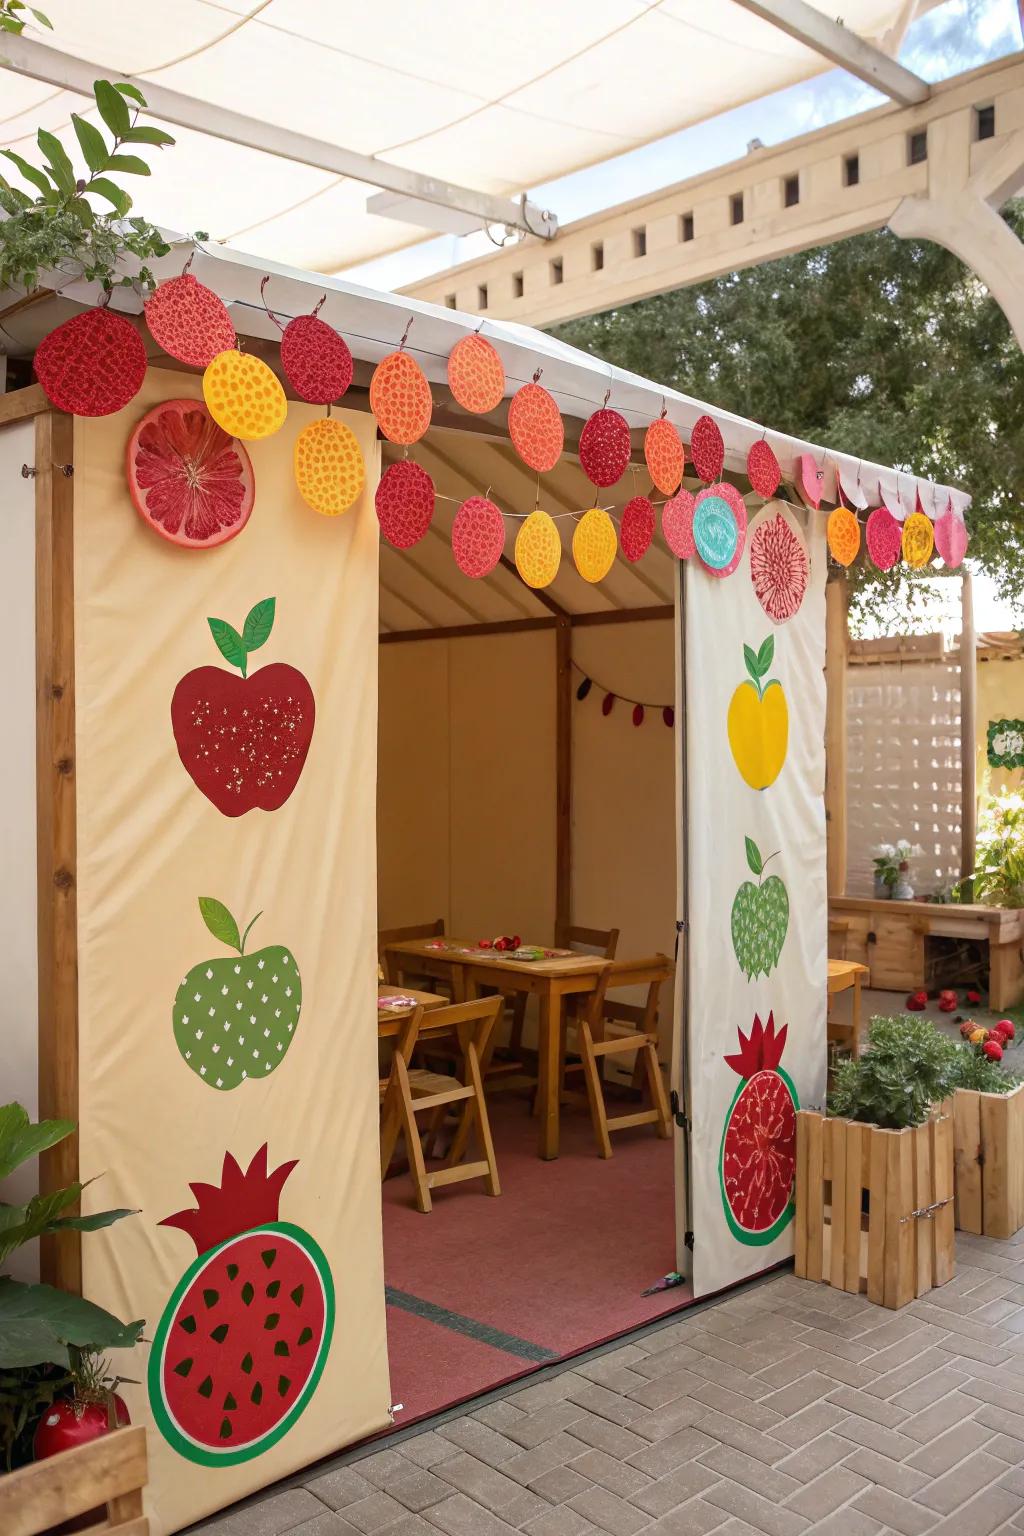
(638, 707)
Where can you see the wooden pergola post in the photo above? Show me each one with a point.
(968, 728)
(563, 778)
(837, 641)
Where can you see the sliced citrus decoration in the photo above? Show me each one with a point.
(476, 376)
(93, 364)
(843, 534)
(400, 398)
(478, 536)
(538, 550)
(189, 321)
(594, 545)
(190, 481)
(535, 427)
(918, 540)
(329, 468)
(664, 455)
(244, 395)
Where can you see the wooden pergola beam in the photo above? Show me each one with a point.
(839, 45)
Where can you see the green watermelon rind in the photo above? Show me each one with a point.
(176, 1437)
(743, 1234)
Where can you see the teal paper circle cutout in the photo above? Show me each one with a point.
(715, 532)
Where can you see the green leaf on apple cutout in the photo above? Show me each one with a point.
(229, 642)
(754, 863)
(220, 922)
(258, 624)
(766, 655)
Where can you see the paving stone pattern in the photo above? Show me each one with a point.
(787, 1408)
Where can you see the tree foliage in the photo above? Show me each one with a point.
(886, 349)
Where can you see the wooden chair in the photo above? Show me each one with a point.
(609, 1028)
(414, 970)
(410, 1091)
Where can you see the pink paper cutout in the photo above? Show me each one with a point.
(478, 537)
(884, 538)
(951, 538)
(812, 479)
(677, 525)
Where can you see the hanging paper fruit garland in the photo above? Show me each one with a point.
(779, 567)
(918, 541)
(883, 537)
(400, 397)
(93, 364)
(664, 455)
(677, 525)
(951, 538)
(763, 470)
(478, 536)
(188, 480)
(637, 528)
(726, 511)
(843, 534)
(538, 550)
(189, 321)
(329, 468)
(405, 503)
(317, 362)
(594, 545)
(605, 447)
(707, 449)
(476, 376)
(812, 479)
(244, 395)
(535, 427)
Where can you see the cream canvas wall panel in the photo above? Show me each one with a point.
(413, 785)
(741, 1182)
(1000, 697)
(149, 845)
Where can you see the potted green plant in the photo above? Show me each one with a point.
(998, 877)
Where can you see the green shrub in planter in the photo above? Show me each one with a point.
(907, 1067)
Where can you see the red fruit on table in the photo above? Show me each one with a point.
(516, 942)
(974, 997)
(69, 1422)
(244, 739)
(916, 1001)
(485, 943)
(993, 1050)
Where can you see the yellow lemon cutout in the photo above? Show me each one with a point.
(594, 545)
(759, 720)
(538, 550)
(244, 396)
(329, 469)
(918, 540)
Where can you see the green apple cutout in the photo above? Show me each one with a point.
(760, 917)
(235, 1017)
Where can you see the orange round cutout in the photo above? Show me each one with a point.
(843, 534)
(476, 376)
(535, 428)
(400, 398)
(665, 456)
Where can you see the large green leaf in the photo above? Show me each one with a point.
(38, 1322)
(258, 624)
(112, 107)
(143, 133)
(58, 160)
(21, 1140)
(130, 90)
(32, 173)
(21, 1224)
(113, 194)
(229, 642)
(128, 165)
(220, 921)
(94, 145)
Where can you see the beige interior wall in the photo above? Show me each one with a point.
(1000, 697)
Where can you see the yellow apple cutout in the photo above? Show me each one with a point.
(759, 719)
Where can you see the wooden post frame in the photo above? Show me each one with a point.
(968, 729)
(837, 640)
(988, 1136)
(108, 1473)
(57, 921)
(563, 778)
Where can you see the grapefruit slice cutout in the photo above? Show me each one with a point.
(188, 480)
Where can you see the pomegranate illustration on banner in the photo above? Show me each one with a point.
(757, 1161)
(244, 739)
(243, 1340)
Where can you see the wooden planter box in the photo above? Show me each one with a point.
(988, 1135)
(874, 1208)
(107, 1475)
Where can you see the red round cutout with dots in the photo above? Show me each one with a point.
(478, 536)
(677, 525)
(400, 398)
(664, 455)
(763, 469)
(405, 503)
(92, 365)
(637, 529)
(536, 428)
(476, 376)
(316, 360)
(707, 449)
(605, 447)
(189, 321)
(884, 538)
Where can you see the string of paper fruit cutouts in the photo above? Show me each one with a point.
(191, 478)
(640, 706)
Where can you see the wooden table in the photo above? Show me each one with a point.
(389, 1016)
(473, 970)
(842, 975)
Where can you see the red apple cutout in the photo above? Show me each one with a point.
(244, 739)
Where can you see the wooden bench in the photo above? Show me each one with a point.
(107, 1475)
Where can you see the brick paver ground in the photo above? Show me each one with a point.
(786, 1408)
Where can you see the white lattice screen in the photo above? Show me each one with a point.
(903, 768)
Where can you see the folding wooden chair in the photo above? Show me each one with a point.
(410, 1091)
(610, 1028)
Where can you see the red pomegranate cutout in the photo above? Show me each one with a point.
(92, 365)
(188, 480)
(316, 360)
(535, 427)
(757, 1160)
(637, 528)
(476, 376)
(707, 449)
(243, 740)
(763, 469)
(189, 321)
(405, 503)
(605, 447)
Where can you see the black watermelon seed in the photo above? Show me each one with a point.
(183, 1367)
(188, 1323)
(232, 1271)
(247, 1293)
(211, 1298)
(225, 1429)
(281, 1348)
(205, 1387)
(305, 1335)
(297, 1295)
(283, 1385)
(219, 1333)
(273, 1288)
(268, 1256)
(247, 1364)
(229, 1403)
(272, 1320)
(256, 1395)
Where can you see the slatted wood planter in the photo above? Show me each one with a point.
(106, 1476)
(988, 1135)
(874, 1208)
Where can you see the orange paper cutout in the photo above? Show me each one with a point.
(244, 396)
(329, 468)
(663, 451)
(476, 376)
(538, 550)
(535, 428)
(843, 534)
(400, 398)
